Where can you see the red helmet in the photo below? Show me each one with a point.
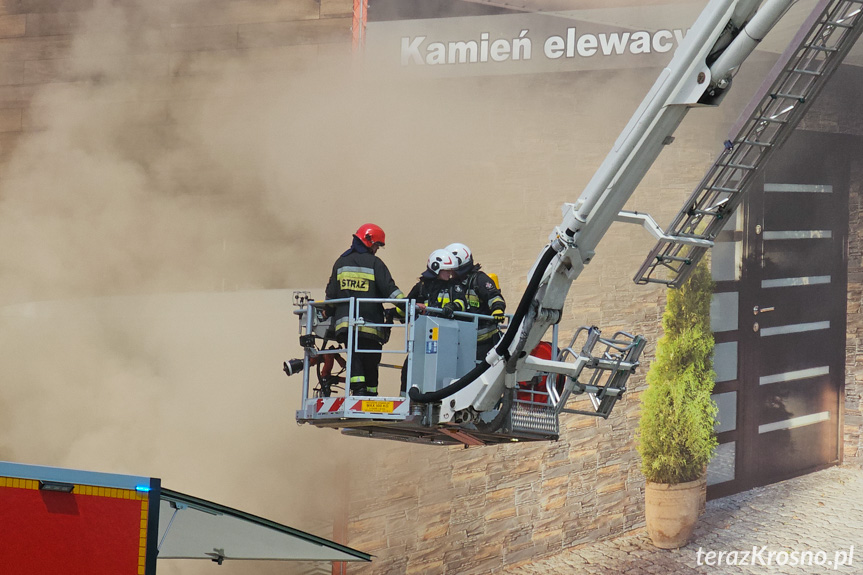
(370, 234)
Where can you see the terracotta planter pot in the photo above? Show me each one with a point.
(671, 512)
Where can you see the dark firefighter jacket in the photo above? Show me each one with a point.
(483, 297)
(361, 274)
(431, 291)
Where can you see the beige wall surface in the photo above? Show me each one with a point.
(226, 146)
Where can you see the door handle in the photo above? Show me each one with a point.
(756, 310)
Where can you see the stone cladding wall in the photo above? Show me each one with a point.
(482, 510)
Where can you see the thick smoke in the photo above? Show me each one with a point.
(156, 213)
(153, 198)
(168, 194)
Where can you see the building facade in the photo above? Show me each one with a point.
(187, 99)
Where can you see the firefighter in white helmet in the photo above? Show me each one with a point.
(483, 297)
(438, 286)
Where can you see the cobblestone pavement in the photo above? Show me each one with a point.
(811, 524)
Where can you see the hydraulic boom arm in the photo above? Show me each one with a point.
(700, 72)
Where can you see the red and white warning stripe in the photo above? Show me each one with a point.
(333, 405)
(329, 404)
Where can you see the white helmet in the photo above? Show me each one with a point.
(461, 252)
(442, 260)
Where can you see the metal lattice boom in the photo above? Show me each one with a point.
(779, 105)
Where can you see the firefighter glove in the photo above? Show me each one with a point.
(448, 311)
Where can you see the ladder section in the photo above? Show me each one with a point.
(777, 107)
(606, 364)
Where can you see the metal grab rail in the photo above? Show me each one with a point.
(311, 329)
(313, 326)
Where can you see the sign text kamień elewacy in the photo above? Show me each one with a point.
(419, 50)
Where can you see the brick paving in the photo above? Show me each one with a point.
(811, 524)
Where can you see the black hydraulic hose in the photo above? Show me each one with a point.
(457, 385)
(520, 312)
(526, 300)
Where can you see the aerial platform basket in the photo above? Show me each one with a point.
(434, 351)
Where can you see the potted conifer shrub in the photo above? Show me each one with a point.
(675, 435)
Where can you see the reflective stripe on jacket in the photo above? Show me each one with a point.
(483, 297)
(436, 293)
(359, 273)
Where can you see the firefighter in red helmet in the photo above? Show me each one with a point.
(360, 273)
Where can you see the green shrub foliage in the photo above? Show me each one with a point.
(675, 436)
